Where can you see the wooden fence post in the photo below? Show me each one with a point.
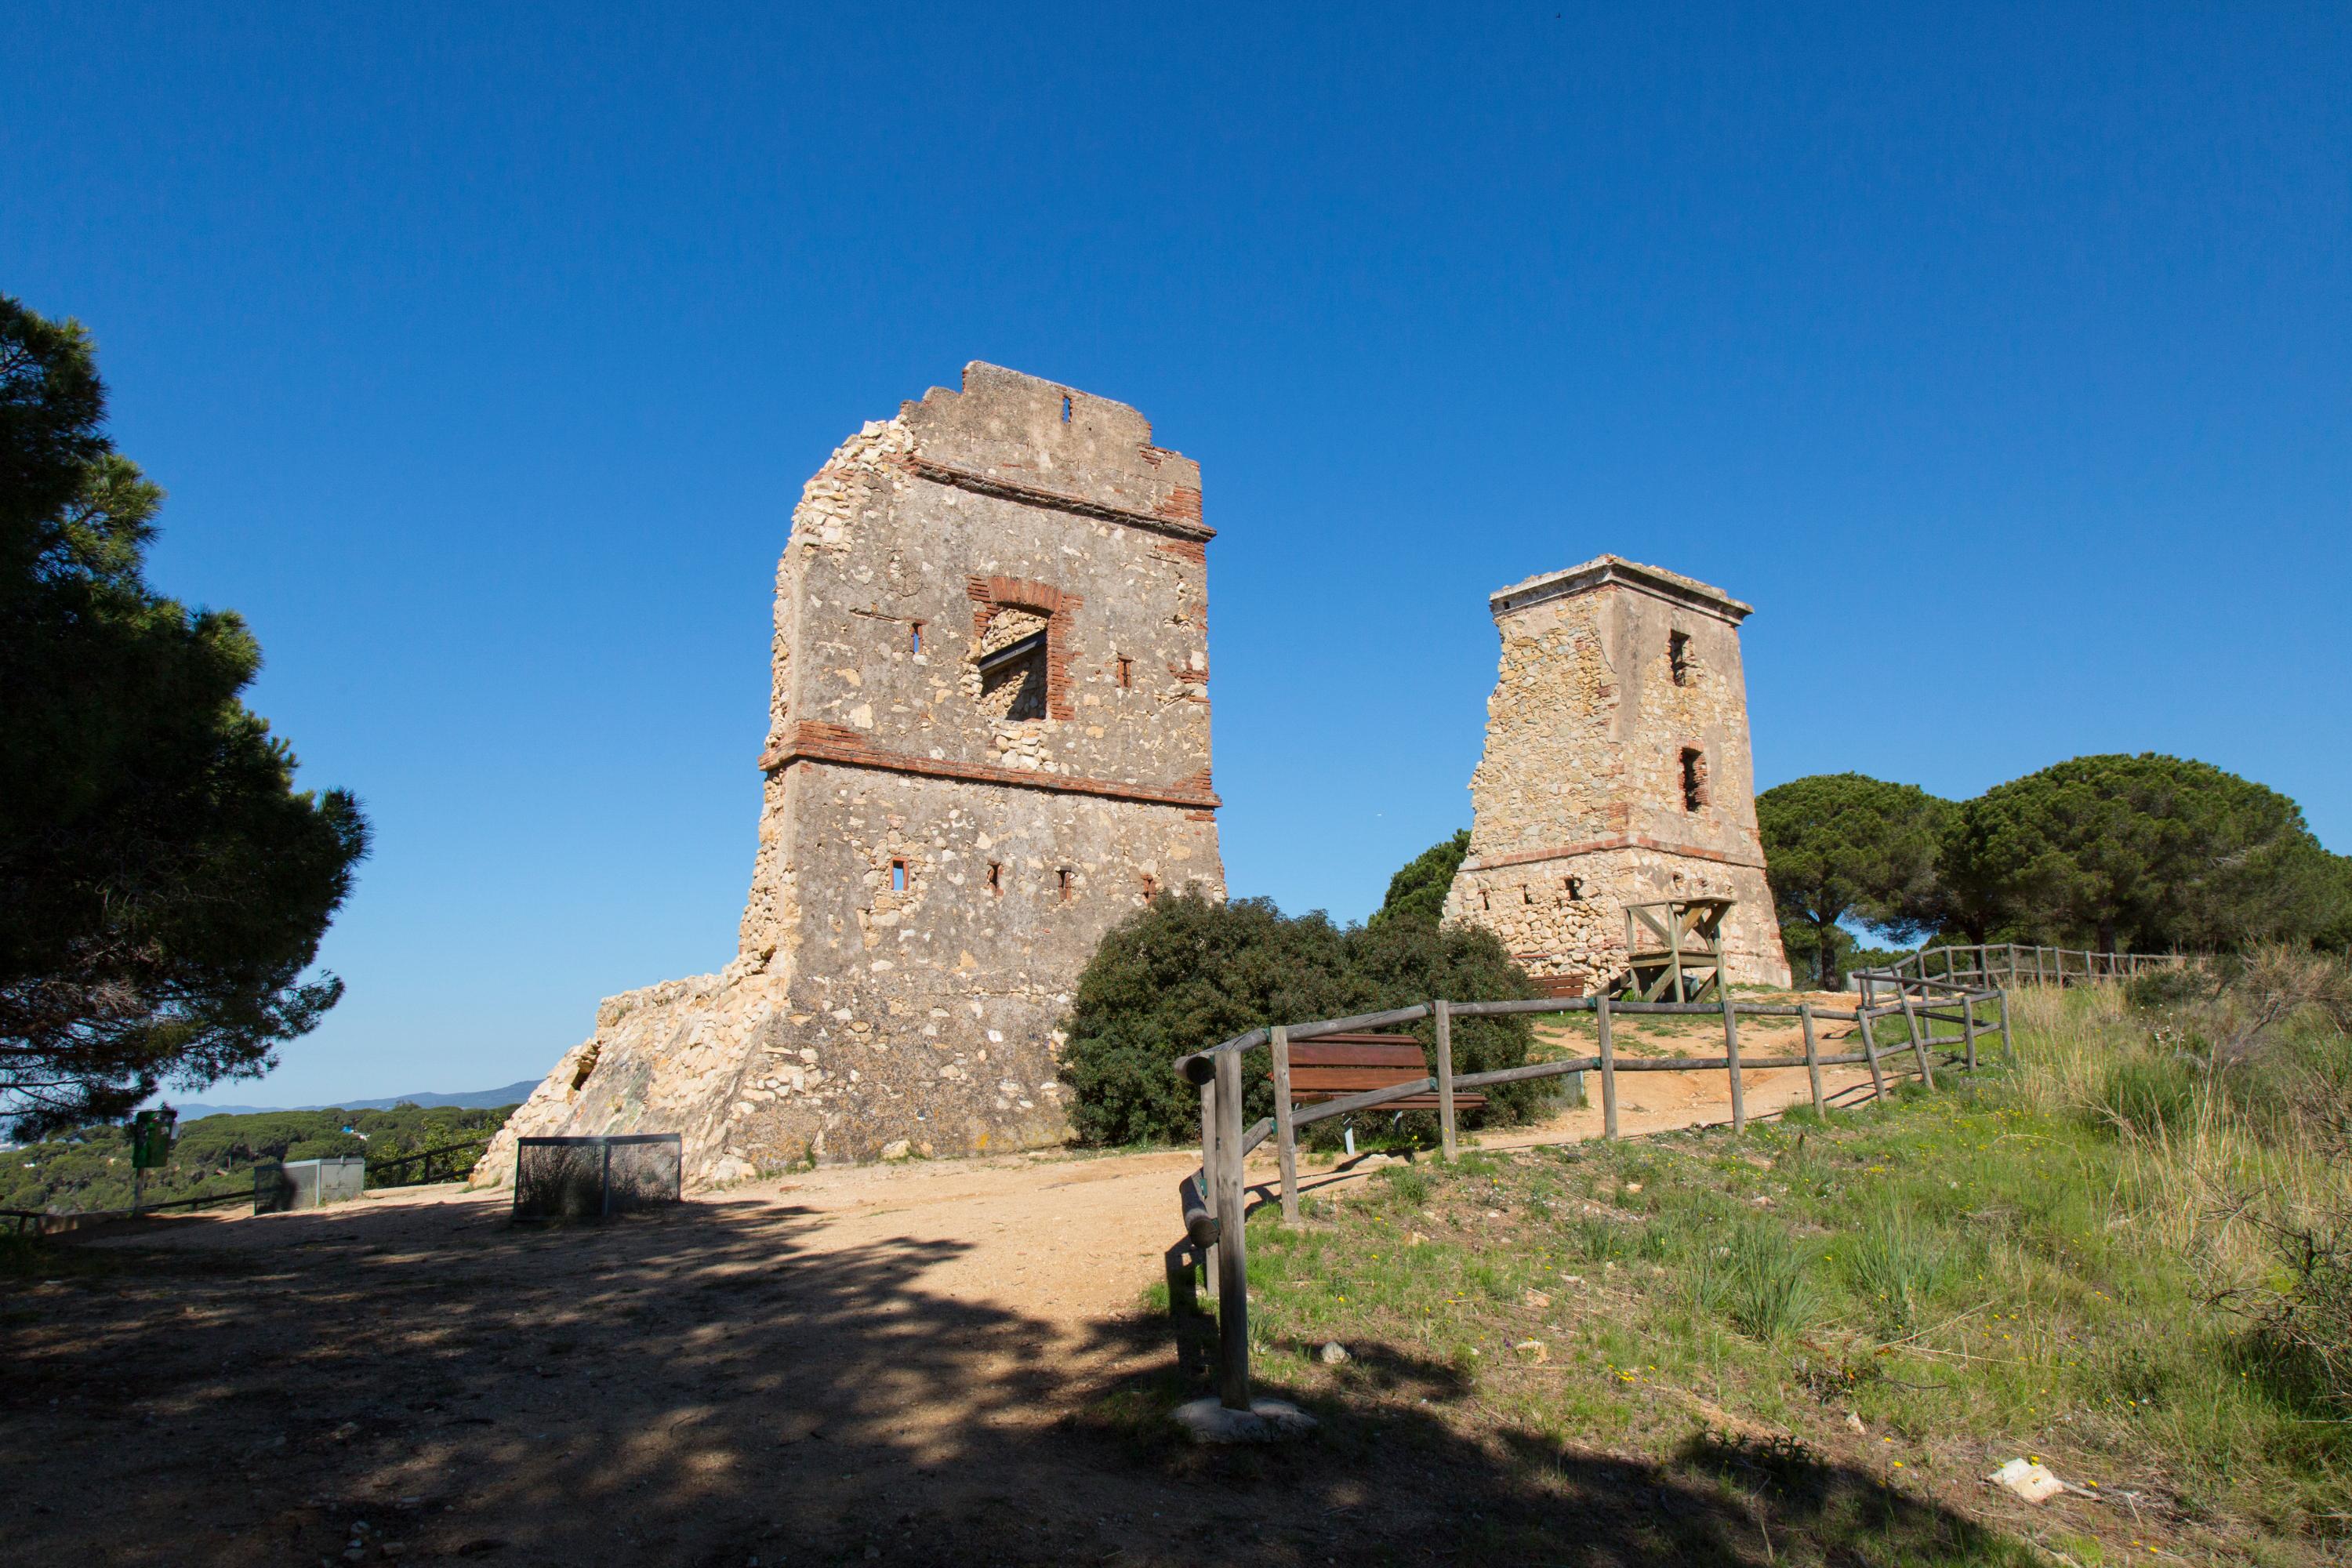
(1918, 1041)
(1286, 1134)
(1812, 1057)
(1731, 1054)
(1870, 1051)
(1208, 1177)
(1444, 1012)
(1968, 1030)
(1607, 1068)
(1185, 1309)
(2008, 1050)
(1233, 1246)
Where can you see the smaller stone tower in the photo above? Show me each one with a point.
(1617, 771)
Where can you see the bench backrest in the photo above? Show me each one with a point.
(1348, 1063)
(1330, 1065)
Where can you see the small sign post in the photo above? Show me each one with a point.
(150, 1149)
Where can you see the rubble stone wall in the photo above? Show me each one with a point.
(936, 862)
(1610, 673)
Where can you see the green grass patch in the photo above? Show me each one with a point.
(2039, 1261)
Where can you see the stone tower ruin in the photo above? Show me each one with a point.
(1617, 771)
(988, 743)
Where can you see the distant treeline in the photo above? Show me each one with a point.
(91, 1168)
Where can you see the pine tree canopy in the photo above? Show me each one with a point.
(2144, 853)
(1417, 892)
(163, 887)
(1843, 846)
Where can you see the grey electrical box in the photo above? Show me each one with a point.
(281, 1185)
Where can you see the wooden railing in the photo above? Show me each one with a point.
(45, 1222)
(395, 1171)
(1211, 1199)
(2006, 965)
(423, 1160)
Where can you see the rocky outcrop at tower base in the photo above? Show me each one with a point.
(669, 1058)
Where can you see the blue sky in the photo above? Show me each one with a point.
(2003, 358)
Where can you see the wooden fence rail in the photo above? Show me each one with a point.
(423, 1159)
(39, 1222)
(1211, 1198)
(2007, 965)
(45, 1222)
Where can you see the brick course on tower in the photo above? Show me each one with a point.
(1617, 771)
(988, 743)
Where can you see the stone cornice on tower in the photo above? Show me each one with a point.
(1604, 570)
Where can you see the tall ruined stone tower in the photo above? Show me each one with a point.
(1617, 771)
(988, 743)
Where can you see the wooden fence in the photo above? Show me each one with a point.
(2008, 966)
(382, 1174)
(1215, 1191)
(43, 1222)
(1944, 985)
(40, 1223)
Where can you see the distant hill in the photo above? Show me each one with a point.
(480, 1098)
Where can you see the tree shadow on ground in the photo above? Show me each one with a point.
(700, 1387)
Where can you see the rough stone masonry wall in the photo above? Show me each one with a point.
(1578, 800)
(931, 873)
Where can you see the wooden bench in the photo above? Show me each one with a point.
(1332, 1066)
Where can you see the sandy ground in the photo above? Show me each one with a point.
(909, 1362)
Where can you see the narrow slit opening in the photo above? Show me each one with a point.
(1694, 778)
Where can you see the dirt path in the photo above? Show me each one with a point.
(919, 1362)
(1066, 1238)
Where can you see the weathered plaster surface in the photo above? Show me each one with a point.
(1579, 801)
(933, 869)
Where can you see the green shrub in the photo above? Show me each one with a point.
(1185, 973)
(1596, 1239)
(1896, 1266)
(1417, 892)
(1769, 1292)
(2146, 1094)
(2163, 988)
(1753, 1273)
(2303, 1339)
(1407, 1185)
